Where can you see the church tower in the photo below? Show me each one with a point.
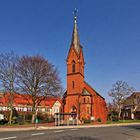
(75, 73)
(75, 64)
(80, 98)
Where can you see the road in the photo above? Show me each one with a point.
(103, 133)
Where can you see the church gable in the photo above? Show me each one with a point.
(91, 90)
(72, 55)
(86, 93)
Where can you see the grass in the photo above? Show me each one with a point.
(16, 124)
(123, 121)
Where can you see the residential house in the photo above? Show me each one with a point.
(131, 107)
(22, 104)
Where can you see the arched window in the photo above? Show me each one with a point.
(73, 66)
(73, 84)
(84, 100)
(73, 110)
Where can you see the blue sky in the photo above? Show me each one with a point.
(109, 31)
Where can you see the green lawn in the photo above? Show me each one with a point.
(123, 121)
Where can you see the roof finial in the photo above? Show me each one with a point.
(75, 15)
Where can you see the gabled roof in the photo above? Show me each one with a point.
(72, 48)
(94, 90)
(136, 94)
(133, 99)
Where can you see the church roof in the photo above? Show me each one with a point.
(75, 37)
(94, 90)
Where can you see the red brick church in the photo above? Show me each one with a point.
(80, 98)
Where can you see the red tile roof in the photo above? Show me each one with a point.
(25, 99)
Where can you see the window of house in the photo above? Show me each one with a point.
(29, 109)
(24, 109)
(43, 109)
(126, 114)
(48, 109)
(4, 108)
(57, 110)
(73, 66)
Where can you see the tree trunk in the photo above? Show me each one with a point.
(11, 106)
(34, 113)
(11, 114)
(33, 117)
(119, 115)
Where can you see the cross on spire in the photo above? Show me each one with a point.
(75, 14)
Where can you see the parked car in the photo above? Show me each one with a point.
(2, 119)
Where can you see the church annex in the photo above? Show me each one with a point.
(80, 98)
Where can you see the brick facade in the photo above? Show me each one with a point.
(80, 97)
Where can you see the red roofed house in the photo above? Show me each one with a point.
(80, 97)
(23, 105)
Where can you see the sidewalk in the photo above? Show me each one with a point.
(46, 127)
(25, 127)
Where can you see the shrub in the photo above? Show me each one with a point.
(99, 120)
(85, 120)
(20, 120)
(49, 120)
(113, 116)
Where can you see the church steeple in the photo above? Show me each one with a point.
(75, 63)
(75, 38)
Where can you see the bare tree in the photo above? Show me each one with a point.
(8, 76)
(119, 92)
(38, 78)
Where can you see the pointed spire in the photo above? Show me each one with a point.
(75, 37)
